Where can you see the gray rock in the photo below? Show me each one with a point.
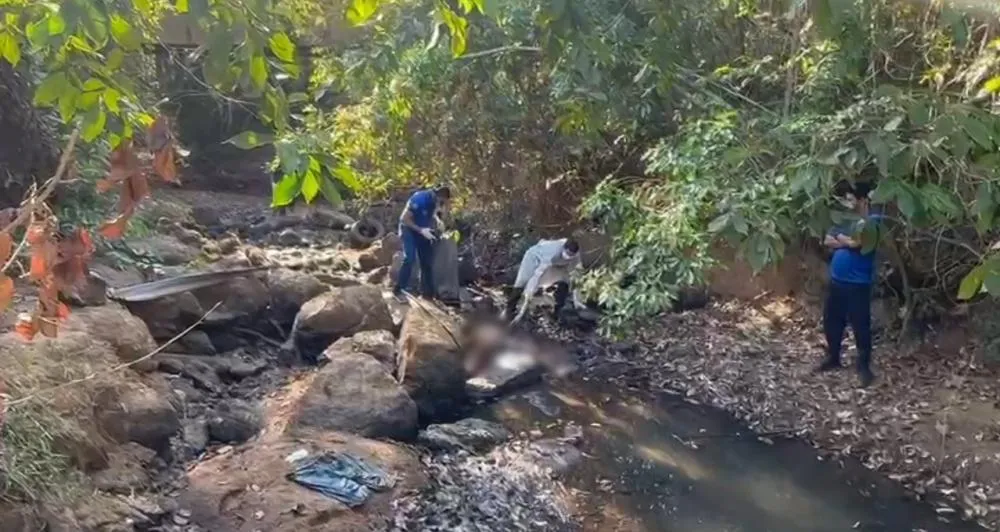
(290, 290)
(197, 343)
(137, 414)
(290, 237)
(431, 362)
(354, 393)
(196, 435)
(381, 345)
(90, 292)
(342, 312)
(234, 422)
(471, 434)
(201, 370)
(556, 456)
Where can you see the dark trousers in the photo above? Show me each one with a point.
(562, 294)
(849, 303)
(418, 249)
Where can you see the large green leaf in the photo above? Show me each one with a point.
(458, 27)
(249, 140)
(985, 206)
(979, 132)
(972, 283)
(991, 281)
(992, 85)
(328, 187)
(282, 47)
(311, 186)
(54, 86)
(346, 175)
(93, 124)
(719, 224)
(124, 34)
(10, 49)
(286, 190)
(258, 72)
(361, 10)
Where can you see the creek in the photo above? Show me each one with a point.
(655, 462)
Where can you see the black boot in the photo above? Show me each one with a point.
(513, 297)
(866, 376)
(562, 294)
(829, 364)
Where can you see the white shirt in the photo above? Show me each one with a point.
(542, 266)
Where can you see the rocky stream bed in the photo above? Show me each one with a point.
(309, 355)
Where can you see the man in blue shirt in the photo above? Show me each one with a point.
(416, 230)
(852, 273)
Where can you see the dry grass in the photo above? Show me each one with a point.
(48, 440)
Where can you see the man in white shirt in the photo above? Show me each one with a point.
(547, 263)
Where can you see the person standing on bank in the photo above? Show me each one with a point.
(547, 263)
(417, 224)
(852, 274)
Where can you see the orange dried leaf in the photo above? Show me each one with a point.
(6, 291)
(38, 233)
(124, 163)
(39, 266)
(26, 327)
(6, 247)
(84, 237)
(159, 136)
(114, 229)
(164, 165)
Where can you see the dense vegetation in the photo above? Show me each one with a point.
(678, 125)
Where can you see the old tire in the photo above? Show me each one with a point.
(365, 232)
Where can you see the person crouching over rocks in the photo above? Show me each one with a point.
(547, 263)
(417, 226)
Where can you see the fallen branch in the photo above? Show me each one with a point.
(23, 214)
(117, 368)
(48, 188)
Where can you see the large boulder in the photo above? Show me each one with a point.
(380, 345)
(114, 324)
(354, 393)
(431, 364)
(167, 316)
(137, 413)
(168, 248)
(290, 290)
(380, 254)
(343, 311)
(243, 300)
(74, 416)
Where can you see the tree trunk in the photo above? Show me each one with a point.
(29, 150)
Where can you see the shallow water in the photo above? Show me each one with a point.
(642, 473)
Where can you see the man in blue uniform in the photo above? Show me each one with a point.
(852, 274)
(416, 229)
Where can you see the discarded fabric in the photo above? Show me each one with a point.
(342, 477)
